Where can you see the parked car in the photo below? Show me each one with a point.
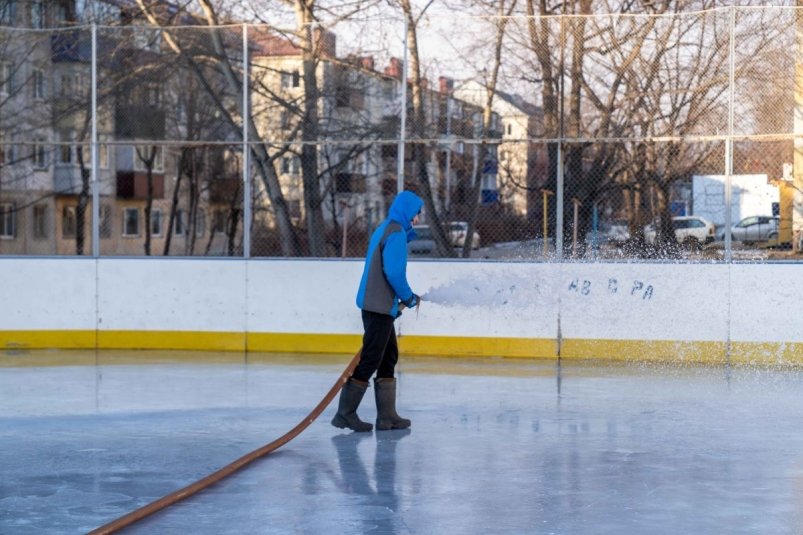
(424, 243)
(457, 235)
(754, 229)
(688, 229)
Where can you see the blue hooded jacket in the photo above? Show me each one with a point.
(384, 278)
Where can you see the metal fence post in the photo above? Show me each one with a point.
(728, 257)
(403, 121)
(94, 147)
(246, 152)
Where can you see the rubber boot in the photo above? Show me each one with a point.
(386, 416)
(350, 398)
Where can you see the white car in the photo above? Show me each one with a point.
(457, 235)
(754, 228)
(688, 229)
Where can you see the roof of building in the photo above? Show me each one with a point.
(516, 100)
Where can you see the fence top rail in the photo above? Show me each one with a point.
(395, 18)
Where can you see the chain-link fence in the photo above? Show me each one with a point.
(530, 134)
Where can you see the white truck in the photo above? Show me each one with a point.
(751, 195)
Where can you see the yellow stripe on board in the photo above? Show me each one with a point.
(304, 343)
(644, 350)
(207, 341)
(767, 353)
(11, 340)
(464, 346)
(772, 353)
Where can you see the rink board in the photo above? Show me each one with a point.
(631, 311)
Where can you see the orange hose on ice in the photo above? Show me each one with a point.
(211, 479)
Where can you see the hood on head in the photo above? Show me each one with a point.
(404, 208)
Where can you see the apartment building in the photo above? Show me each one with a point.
(359, 111)
(157, 196)
(169, 139)
(521, 165)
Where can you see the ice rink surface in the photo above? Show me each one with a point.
(496, 446)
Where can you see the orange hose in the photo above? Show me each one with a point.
(214, 477)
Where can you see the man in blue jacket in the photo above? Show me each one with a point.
(383, 289)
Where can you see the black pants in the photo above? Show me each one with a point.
(379, 349)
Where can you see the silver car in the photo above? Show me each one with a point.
(424, 242)
(754, 229)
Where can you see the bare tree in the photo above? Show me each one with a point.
(195, 55)
(420, 150)
(504, 9)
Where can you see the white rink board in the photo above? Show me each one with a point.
(680, 302)
(171, 295)
(304, 296)
(47, 293)
(499, 300)
(767, 303)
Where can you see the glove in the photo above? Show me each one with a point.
(398, 314)
(412, 302)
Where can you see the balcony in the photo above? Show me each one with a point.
(67, 179)
(71, 46)
(349, 97)
(350, 183)
(139, 122)
(226, 190)
(389, 126)
(134, 185)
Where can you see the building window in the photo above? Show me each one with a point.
(63, 14)
(156, 222)
(219, 221)
(8, 12)
(65, 154)
(105, 221)
(285, 165)
(6, 78)
(85, 153)
(9, 154)
(509, 129)
(291, 79)
(39, 155)
(66, 87)
(68, 222)
(143, 153)
(103, 156)
(152, 95)
(8, 221)
(291, 165)
(37, 14)
(131, 222)
(200, 223)
(38, 80)
(389, 90)
(40, 221)
(294, 207)
(178, 224)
